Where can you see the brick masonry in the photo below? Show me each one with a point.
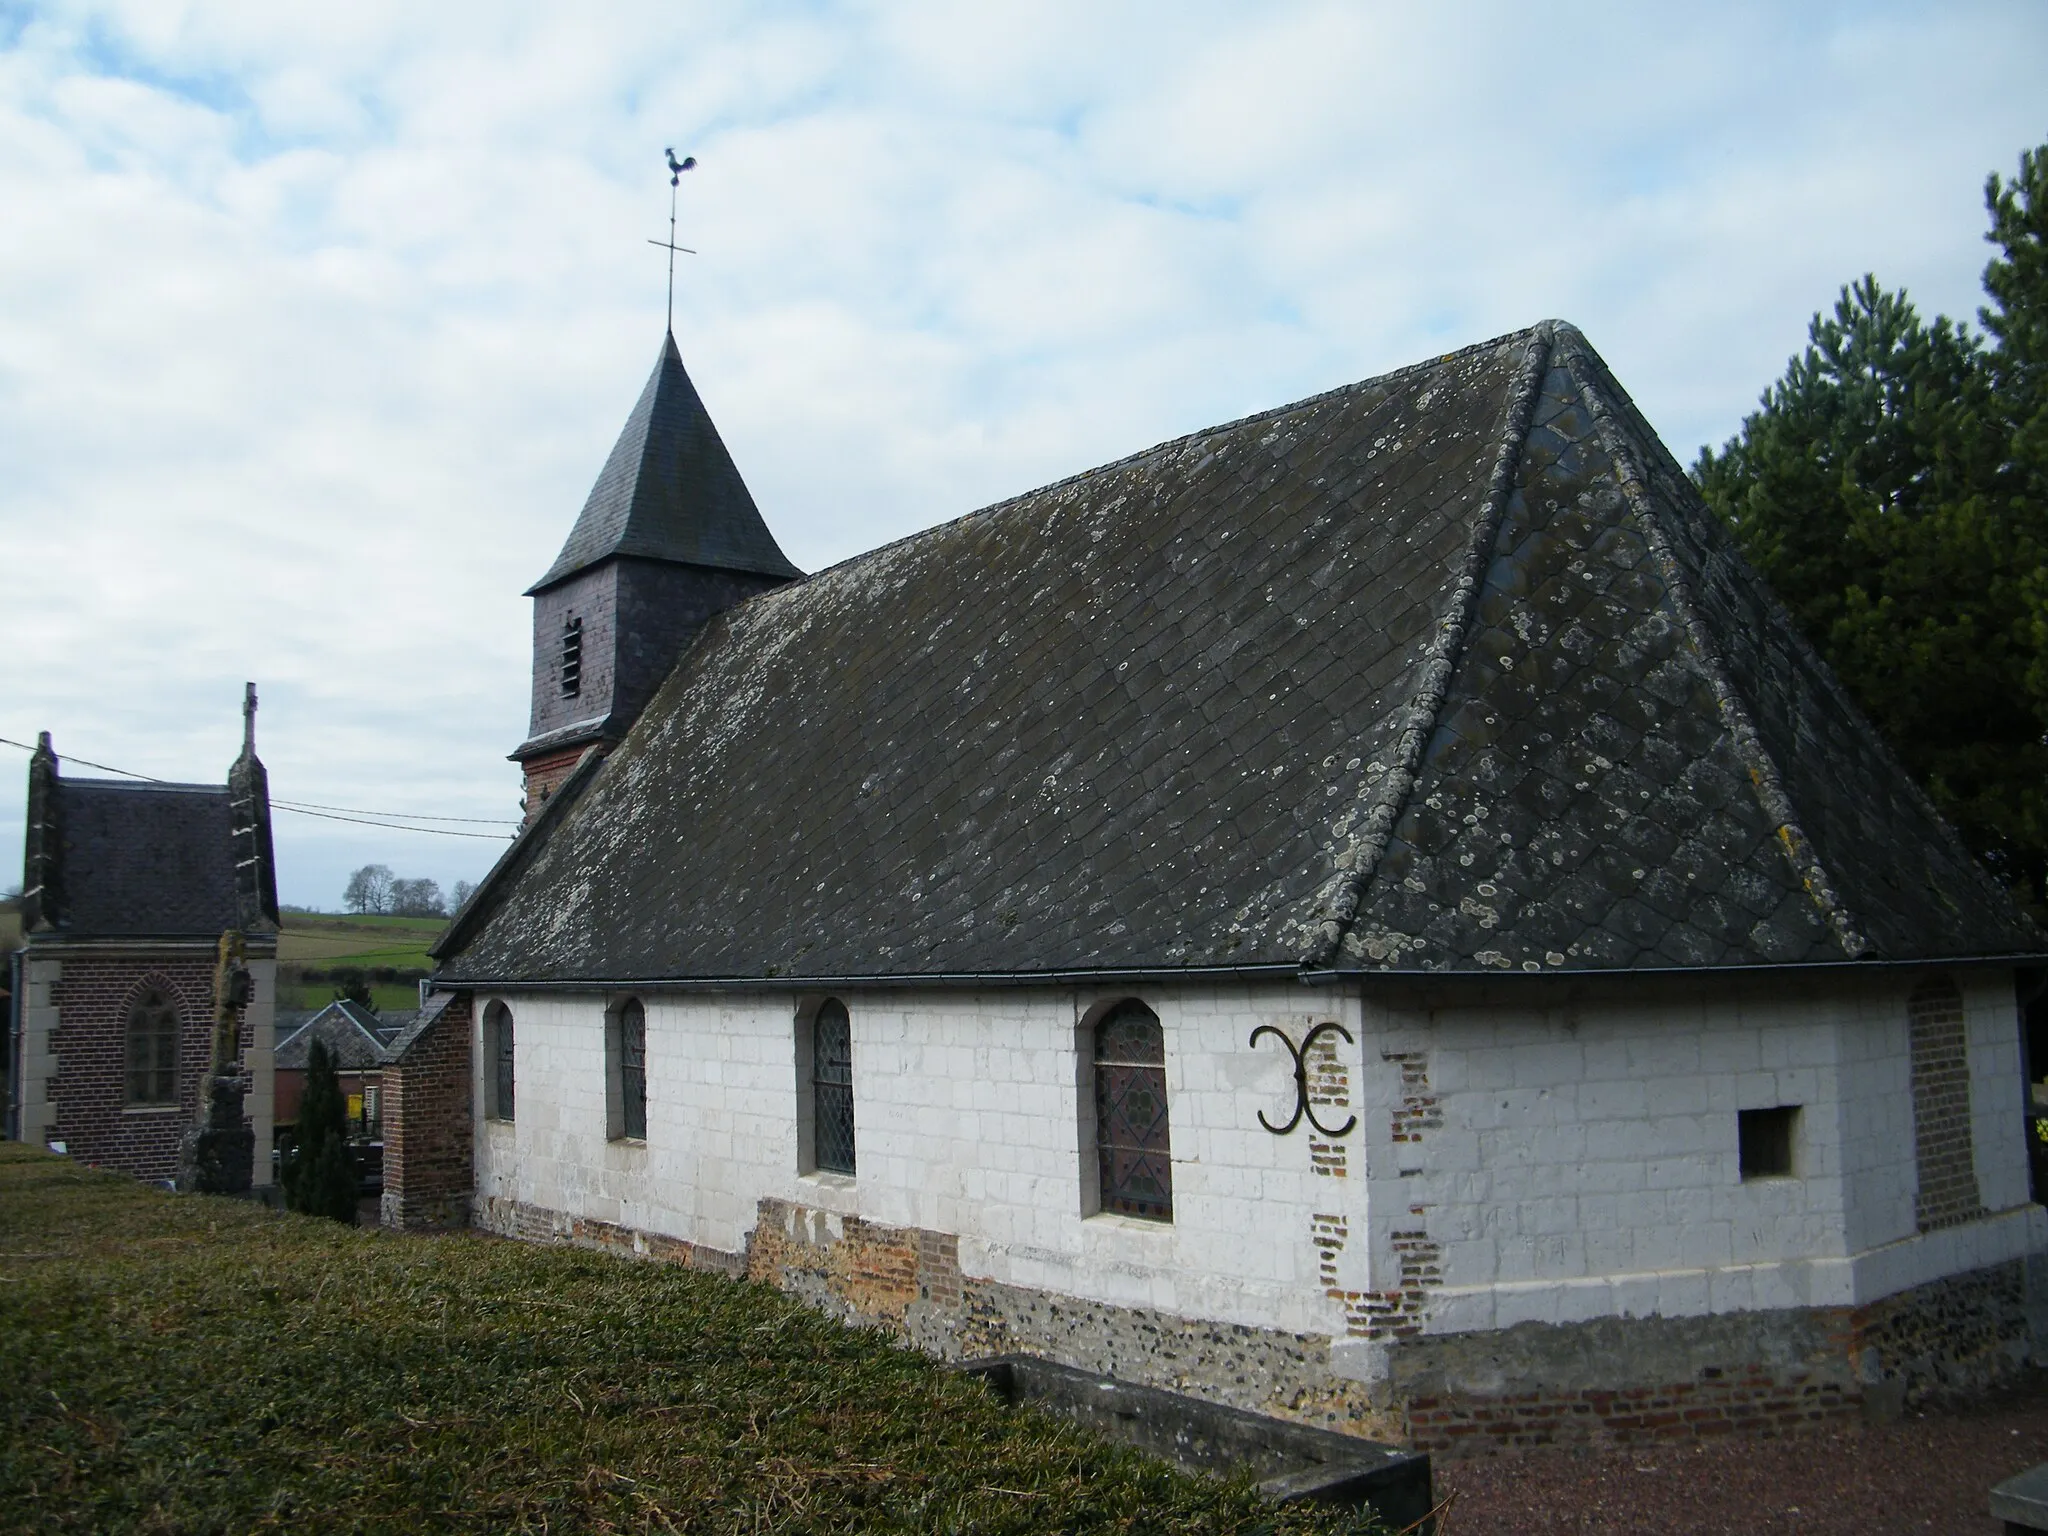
(1943, 1155)
(429, 1159)
(86, 1092)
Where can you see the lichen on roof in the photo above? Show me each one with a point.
(1446, 670)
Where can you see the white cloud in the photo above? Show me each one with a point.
(320, 320)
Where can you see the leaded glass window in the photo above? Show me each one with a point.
(633, 1071)
(498, 1044)
(153, 1049)
(832, 1088)
(1130, 1113)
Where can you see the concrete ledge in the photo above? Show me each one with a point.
(2022, 1501)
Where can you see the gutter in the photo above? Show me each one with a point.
(1270, 971)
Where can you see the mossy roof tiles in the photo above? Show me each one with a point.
(1447, 670)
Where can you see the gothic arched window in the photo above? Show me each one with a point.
(1131, 1139)
(832, 1088)
(153, 1049)
(498, 1077)
(626, 1046)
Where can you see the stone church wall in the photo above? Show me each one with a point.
(1534, 1181)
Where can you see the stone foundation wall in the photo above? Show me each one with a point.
(1624, 1380)
(1611, 1381)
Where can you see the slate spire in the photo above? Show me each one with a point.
(670, 492)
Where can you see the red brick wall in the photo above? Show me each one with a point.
(91, 1045)
(429, 1151)
(544, 775)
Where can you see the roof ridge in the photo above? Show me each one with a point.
(1594, 384)
(1168, 445)
(1337, 902)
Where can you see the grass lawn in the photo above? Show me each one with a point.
(193, 1365)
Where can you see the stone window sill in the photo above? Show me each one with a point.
(151, 1109)
(1115, 1221)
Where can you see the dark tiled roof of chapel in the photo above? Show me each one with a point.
(154, 860)
(670, 491)
(1450, 670)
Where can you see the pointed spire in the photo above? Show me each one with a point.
(249, 821)
(670, 492)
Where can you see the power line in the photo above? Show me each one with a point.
(325, 813)
(357, 810)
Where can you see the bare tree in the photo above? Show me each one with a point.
(368, 889)
(417, 898)
(464, 889)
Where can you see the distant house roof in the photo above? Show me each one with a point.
(357, 1037)
(670, 491)
(1450, 670)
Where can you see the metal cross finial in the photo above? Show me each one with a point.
(675, 175)
(249, 718)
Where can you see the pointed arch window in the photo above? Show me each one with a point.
(1131, 1135)
(832, 1088)
(572, 658)
(626, 1048)
(153, 1049)
(498, 1077)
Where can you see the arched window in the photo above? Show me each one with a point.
(498, 1079)
(626, 1054)
(832, 1088)
(1131, 1140)
(153, 1049)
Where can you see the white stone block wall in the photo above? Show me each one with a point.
(1569, 1160)
(1589, 1163)
(970, 1120)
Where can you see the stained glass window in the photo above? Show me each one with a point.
(1130, 1113)
(832, 1088)
(633, 1071)
(153, 1049)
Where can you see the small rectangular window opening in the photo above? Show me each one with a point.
(1766, 1137)
(572, 658)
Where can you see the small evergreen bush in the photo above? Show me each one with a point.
(320, 1177)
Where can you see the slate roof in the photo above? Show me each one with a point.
(670, 491)
(356, 1035)
(139, 859)
(1450, 670)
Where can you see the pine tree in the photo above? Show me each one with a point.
(1883, 490)
(320, 1179)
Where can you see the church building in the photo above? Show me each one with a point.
(1369, 913)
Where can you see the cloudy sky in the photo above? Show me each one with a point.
(317, 321)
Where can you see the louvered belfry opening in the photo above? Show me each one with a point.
(1131, 1137)
(572, 658)
(153, 1049)
(832, 1088)
(633, 1071)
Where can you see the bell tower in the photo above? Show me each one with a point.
(669, 537)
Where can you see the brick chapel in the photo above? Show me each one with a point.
(127, 888)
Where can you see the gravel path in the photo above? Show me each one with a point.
(1929, 1472)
